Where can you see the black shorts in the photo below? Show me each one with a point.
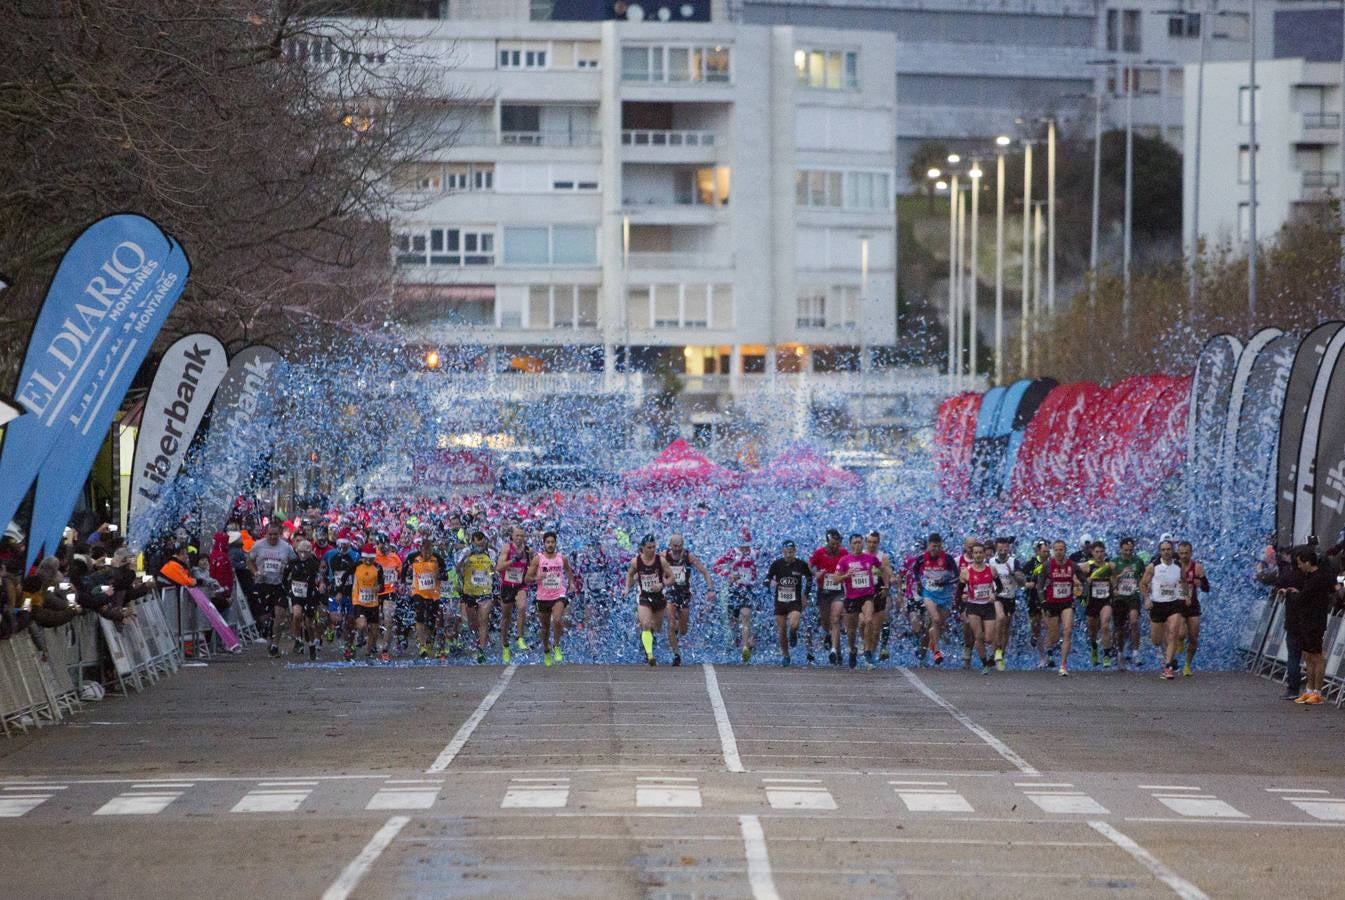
(855, 605)
(739, 599)
(1122, 607)
(310, 604)
(1010, 605)
(656, 602)
(679, 598)
(784, 609)
(1161, 612)
(1311, 630)
(551, 604)
(1192, 609)
(271, 594)
(1053, 610)
(472, 601)
(880, 602)
(984, 610)
(826, 598)
(1093, 608)
(1033, 603)
(426, 610)
(372, 614)
(915, 606)
(509, 593)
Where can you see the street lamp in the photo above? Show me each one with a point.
(1027, 244)
(973, 281)
(863, 303)
(1001, 144)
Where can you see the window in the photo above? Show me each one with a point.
(470, 176)
(426, 178)
(659, 64)
(562, 306)
(1113, 31)
(842, 190)
(667, 305)
(842, 306)
(1245, 221)
(541, 10)
(680, 306)
(1150, 81)
(1245, 163)
(812, 311)
(637, 307)
(586, 307)
(561, 245)
(1130, 31)
(829, 70)
(1184, 25)
(522, 56)
(517, 118)
(446, 247)
(695, 306)
(1245, 105)
(586, 54)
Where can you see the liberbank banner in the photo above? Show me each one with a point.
(111, 293)
(183, 387)
(241, 429)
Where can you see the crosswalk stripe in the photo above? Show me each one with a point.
(271, 801)
(536, 793)
(137, 804)
(1328, 810)
(934, 801)
(1203, 806)
(403, 799)
(12, 807)
(1067, 803)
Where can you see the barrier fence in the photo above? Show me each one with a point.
(91, 654)
(1265, 650)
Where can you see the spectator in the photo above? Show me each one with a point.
(1305, 612)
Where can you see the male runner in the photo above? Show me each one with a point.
(937, 574)
(959, 600)
(550, 571)
(680, 561)
(390, 561)
(981, 588)
(879, 621)
(1127, 570)
(1097, 573)
(1193, 581)
(266, 561)
(788, 577)
(1059, 585)
(1011, 580)
(916, 616)
(739, 567)
(830, 593)
(367, 585)
(1160, 586)
(423, 572)
(858, 570)
(1033, 568)
(650, 572)
(476, 569)
(514, 562)
(338, 570)
(300, 579)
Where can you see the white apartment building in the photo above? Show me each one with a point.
(1298, 160)
(723, 192)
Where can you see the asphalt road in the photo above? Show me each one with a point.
(249, 777)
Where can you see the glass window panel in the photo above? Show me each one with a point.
(539, 306)
(834, 71)
(575, 245)
(635, 63)
(717, 64)
(525, 246)
(679, 64)
(801, 187)
(817, 62)
(587, 307)
(436, 239)
(834, 192)
(667, 306)
(696, 313)
(655, 63)
(851, 69)
(721, 306)
(637, 307)
(562, 54)
(562, 306)
(852, 190)
(817, 188)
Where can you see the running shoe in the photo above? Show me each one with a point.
(793, 637)
(384, 656)
(938, 658)
(1106, 660)
(312, 652)
(1303, 697)
(298, 647)
(1186, 671)
(784, 662)
(329, 636)
(273, 651)
(1063, 672)
(480, 656)
(520, 644)
(1092, 656)
(546, 659)
(505, 655)
(999, 660)
(556, 655)
(854, 659)
(810, 659)
(1314, 698)
(650, 658)
(747, 654)
(349, 654)
(883, 655)
(966, 660)
(834, 658)
(868, 661)
(921, 652)
(1167, 673)
(1043, 663)
(424, 651)
(677, 659)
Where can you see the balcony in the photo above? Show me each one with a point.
(549, 139)
(649, 137)
(673, 146)
(1316, 185)
(662, 261)
(1321, 120)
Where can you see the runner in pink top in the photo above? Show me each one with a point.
(550, 571)
(859, 572)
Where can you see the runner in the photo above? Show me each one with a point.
(650, 572)
(858, 570)
(476, 567)
(514, 563)
(550, 572)
(830, 594)
(367, 585)
(1059, 586)
(960, 599)
(788, 577)
(300, 579)
(1097, 573)
(878, 621)
(739, 567)
(982, 607)
(423, 572)
(1160, 587)
(1193, 581)
(1011, 580)
(916, 617)
(1128, 569)
(390, 562)
(338, 572)
(937, 574)
(680, 561)
(266, 561)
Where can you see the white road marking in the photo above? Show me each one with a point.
(37, 787)
(407, 798)
(536, 793)
(13, 807)
(758, 860)
(1180, 886)
(732, 761)
(350, 877)
(1318, 808)
(933, 800)
(922, 783)
(1042, 784)
(465, 730)
(138, 804)
(271, 801)
(1167, 787)
(1067, 804)
(1202, 806)
(655, 791)
(1297, 791)
(798, 793)
(995, 743)
(287, 784)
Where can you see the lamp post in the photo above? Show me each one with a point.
(1027, 246)
(952, 277)
(974, 175)
(1001, 143)
(1097, 190)
(1251, 164)
(1050, 216)
(864, 364)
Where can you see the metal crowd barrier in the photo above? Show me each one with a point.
(1265, 651)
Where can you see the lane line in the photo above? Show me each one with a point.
(758, 860)
(1296, 791)
(995, 743)
(1180, 886)
(350, 877)
(466, 729)
(1166, 787)
(729, 744)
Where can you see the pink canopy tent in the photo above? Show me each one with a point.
(804, 467)
(680, 465)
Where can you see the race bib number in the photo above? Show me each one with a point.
(1127, 585)
(389, 574)
(933, 580)
(271, 567)
(983, 593)
(425, 581)
(367, 596)
(741, 577)
(513, 575)
(1168, 592)
(831, 582)
(861, 580)
(551, 581)
(299, 589)
(1101, 590)
(650, 584)
(1184, 590)
(480, 579)
(1061, 590)
(679, 574)
(787, 593)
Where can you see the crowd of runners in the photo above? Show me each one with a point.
(453, 587)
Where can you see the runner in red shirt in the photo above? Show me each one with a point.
(739, 567)
(830, 593)
(980, 587)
